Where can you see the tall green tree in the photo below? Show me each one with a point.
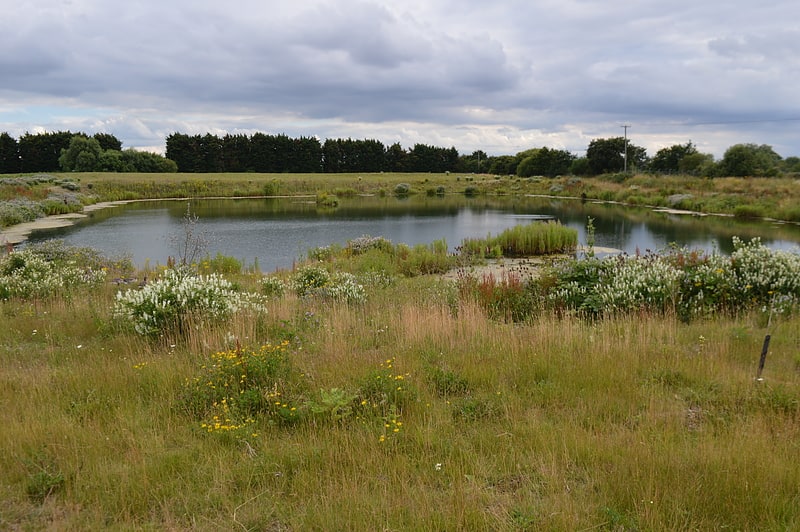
(302, 155)
(185, 151)
(741, 160)
(668, 160)
(82, 155)
(502, 165)
(146, 162)
(545, 162)
(791, 164)
(608, 155)
(424, 158)
(108, 141)
(9, 154)
(40, 152)
(396, 158)
(697, 164)
(236, 153)
(476, 162)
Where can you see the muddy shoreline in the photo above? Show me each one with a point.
(19, 233)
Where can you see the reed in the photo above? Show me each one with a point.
(536, 238)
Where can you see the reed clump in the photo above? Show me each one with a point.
(537, 238)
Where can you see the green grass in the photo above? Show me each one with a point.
(549, 424)
(513, 419)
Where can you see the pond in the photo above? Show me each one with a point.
(275, 232)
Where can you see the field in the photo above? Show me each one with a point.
(359, 393)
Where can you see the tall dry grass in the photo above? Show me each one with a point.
(637, 422)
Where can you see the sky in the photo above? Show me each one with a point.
(502, 76)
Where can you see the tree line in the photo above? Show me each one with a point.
(268, 153)
(280, 153)
(75, 152)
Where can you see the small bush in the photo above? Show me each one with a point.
(220, 264)
(345, 192)
(385, 390)
(315, 281)
(365, 243)
(170, 303)
(45, 479)
(272, 188)
(31, 273)
(272, 286)
(402, 189)
(681, 281)
(327, 200)
(238, 387)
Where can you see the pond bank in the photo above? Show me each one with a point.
(19, 233)
(16, 234)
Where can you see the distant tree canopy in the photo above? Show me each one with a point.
(545, 162)
(40, 152)
(668, 160)
(9, 154)
(608, 156)
(75, 152)
(743, 160)
(280, 153)
(267, 153)
(86, 154)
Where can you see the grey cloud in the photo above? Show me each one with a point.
(444, 69)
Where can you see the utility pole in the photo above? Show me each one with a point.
(625, 157)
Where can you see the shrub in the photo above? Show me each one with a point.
(30, 274)
(365, 243)
(385, 390)
(220, 264)
(19, 210)
(272, 188)
(402, 189)
(272, 286)
(309, 278)
(689, 283)
(171, 302)
(445, 382)
(237, 387)
(760, 273)
(327, 200)
(315, 281)
(322, 253)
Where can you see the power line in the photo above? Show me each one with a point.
(722, 123)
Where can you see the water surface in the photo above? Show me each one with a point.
(274, 232)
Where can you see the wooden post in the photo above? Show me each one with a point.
(763, 358)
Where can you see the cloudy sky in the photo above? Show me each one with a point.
(502, 75)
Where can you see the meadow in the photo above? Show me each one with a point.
(363, 391)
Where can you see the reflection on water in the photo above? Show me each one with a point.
(275, 232)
